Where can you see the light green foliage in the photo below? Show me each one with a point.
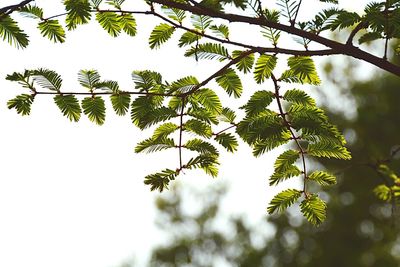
(258, 102)
(160, 35)
(188, 116)
(283, 200)
(323, 178)
(246, 63)
(284, 168)
(390, 190)
(303, 70)
(230, 82)
(208, 51)
(314, 209)
(265, 64)
(271, 34)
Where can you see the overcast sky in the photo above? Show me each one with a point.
(72, 194)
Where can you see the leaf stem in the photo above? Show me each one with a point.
(283, 114)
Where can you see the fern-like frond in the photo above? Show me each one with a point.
(10, 32)
(69, 106)
(160, 34)
(283, 200)
(230, 82)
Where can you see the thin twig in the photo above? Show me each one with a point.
(294, 137)
(181, 133)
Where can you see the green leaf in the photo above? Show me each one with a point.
(228, 141)
(284, 168)
(207, 162)
(69, 106)
(208, 51)
(184, 85)
(264, 66)
(322, 178)
(160, 181)
(128, 24)
(263, 127)
(246, 63)
(153, 145)
(273, 141)
(120, 103)
(160, 34)
(164, 130)
(227, 115)
(221, 30)
(95, 109)
(230, 82)
(115, 3)
(146, 79)
(198, 127)
(202, 114)
(383, 193)
(47, 79)
(11, 33)
(286, 160)
(78, 13)
(31, 11)
(53, 30)
(109, 86)
(209, 99)
(258, 102)
(314, 209)
(188, 38)
(303, 68)
(201, 146)
(201, 22)
(370, 36)
(144, 112)
(110, 22)
(299, 97)
(283, 200)
(21, 103)
(88, 78)
(174, 13)
(328, 150)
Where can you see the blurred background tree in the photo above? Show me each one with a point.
(360, 230)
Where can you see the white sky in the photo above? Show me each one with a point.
(72, 194)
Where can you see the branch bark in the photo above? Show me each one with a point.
(7, 10)
(339, 48)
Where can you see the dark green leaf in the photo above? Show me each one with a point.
(95, 109)
(69, 106)
(21, 103)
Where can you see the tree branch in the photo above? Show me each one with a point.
(4, 11)
(338, 47)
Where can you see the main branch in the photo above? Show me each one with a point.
(339, 48)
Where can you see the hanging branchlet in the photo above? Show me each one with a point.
(187, 115)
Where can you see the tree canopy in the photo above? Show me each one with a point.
(188, 115)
